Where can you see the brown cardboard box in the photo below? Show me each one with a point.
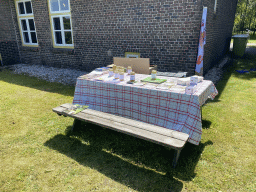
(139, 65)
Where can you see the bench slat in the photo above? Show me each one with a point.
(134, 131)
(139, 130)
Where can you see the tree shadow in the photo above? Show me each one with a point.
(246, 65)
(35, 83)
(136, 163)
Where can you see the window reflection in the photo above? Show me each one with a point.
(54, 5)
(66, 22)
(64, 5)
(68, 38)
(21, 8)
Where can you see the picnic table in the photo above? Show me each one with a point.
(169, 108)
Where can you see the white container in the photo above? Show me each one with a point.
(183, 82)
(194, 79)
(190, 89)
(200, 79)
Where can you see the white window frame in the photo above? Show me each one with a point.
(28, 31)
(26, 17)
(215, 6)
(60, 14)
(24, 1)
(62, 30)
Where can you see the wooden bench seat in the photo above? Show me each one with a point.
(166, 137)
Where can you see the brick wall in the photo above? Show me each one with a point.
(165, 31)
(219, 30)
(8, 45)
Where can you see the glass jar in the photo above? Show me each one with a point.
(129, 70)
(132, 76)
(116, 74)
(121, 75)
(114, 67)
(110, 72)
(153, 75)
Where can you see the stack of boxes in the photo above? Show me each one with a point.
(194, 80)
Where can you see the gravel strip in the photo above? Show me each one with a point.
(51, 74)
(69, 76)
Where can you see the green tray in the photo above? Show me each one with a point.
(158, 81)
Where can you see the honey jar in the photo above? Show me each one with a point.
(132, 76)
(153, 75)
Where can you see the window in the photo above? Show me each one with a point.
(26, 22)
(61, 23)
(215, 6)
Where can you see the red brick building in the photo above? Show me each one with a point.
(85, 34)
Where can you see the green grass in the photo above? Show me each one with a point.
(39, 153)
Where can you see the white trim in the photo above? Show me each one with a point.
(28, 31)
(215, 6)
(23, 1)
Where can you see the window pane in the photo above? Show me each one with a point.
(21, 8)
(26, 39)
(24, 25)
(68, 38)
(31, 24)
(54, 5)
(33, 37)
(58, 37)
(28, 7)
(64, 5)
(66, 22)
(56, 23)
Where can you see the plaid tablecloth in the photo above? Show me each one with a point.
(172, 108)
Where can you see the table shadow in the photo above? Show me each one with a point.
(134, 162)
(206, 124)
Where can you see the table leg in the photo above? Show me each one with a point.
(175, 158)
(76, 125)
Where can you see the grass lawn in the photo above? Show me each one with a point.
(39, 153)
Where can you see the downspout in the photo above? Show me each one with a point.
(15, 31)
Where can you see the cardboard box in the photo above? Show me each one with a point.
(139, 65)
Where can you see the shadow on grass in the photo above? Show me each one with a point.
(246, 63)
(35, 83)
(139, 164)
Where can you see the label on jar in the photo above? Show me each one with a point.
(116, 75)
(121, 77)
(129, 71)
(132, 77)
(153, 76)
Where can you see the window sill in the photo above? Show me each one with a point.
(68, 51)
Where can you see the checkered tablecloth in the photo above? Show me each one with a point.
(172, 108)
